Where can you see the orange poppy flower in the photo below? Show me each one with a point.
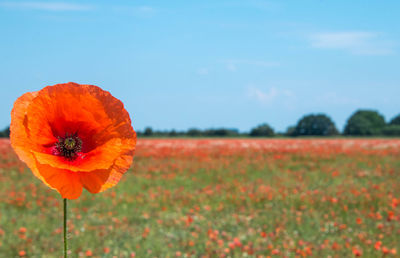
(73, 136)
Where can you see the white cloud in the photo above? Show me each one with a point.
(273, 96)
(333, 98)
(261, 5)
(143, 11)
(146, 11)
(355, 42)
(233, 64)
(203, 71)
(47, 6)
(264, 97)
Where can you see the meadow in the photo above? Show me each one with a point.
(218, 198)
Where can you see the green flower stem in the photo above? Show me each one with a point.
(65, 230)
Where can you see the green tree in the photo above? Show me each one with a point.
(194, 132)
(318, 125)
(173, 133)
(148, 131)
(391, 130)
(262, 130)
(221, 132)
(395, 120)
(290, 131)
(365, 123)
(5, 133)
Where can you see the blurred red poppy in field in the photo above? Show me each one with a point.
(73, 136)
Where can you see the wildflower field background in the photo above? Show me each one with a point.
(218, 198)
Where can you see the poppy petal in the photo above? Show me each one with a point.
(40, 120)
(67, 183)
(102, 157)
(19, 134)
(120, 167)
(100, 180)
(94, 180)
(98, 118)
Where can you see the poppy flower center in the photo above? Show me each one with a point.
(69, 146)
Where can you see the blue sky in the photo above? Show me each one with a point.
(204, 64)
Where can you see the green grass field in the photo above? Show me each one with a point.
(193, 198)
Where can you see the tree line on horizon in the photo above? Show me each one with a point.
(360, 123)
